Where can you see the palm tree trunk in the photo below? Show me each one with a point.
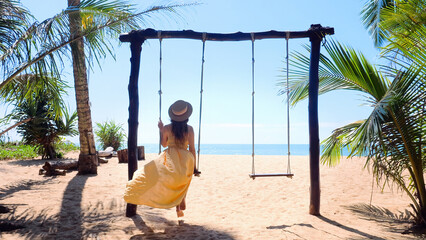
(87, 160)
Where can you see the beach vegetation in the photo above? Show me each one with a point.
(20, 151)
(65, 146)
(392, 137)
(110, 134)
(16, 150)
(44, 129)
(39, 111)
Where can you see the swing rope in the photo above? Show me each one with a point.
(288, 105)
(288, 174)
(160, 91)
(252, 103)
(201, 101)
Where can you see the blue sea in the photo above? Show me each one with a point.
(244, 149)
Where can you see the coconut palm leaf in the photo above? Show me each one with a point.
(67, 126)
(371, 16)
(406, 25)
(344, 69)
(30, 86)
(13, 21)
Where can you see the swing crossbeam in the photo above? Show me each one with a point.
(150, 33)
(289, 175)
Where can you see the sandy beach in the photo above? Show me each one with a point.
(224, 203)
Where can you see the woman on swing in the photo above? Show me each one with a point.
(164, 182)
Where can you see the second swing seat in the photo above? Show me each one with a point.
(289, 175)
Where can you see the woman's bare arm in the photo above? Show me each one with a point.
(164, 133)
(191, 141)
(192, 149)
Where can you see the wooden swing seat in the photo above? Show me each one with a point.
(289, 175)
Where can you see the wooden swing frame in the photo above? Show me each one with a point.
(315, 34)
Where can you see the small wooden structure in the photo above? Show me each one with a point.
(58, 167)
(315, 34)
(123, 154)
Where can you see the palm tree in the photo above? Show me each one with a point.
(88, 159)
(40, 114)
(28, 86)
(92, 22)
(391, 137)
(44, 129)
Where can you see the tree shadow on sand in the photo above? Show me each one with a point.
(174, 230)
(332, 222)
(380, 214)
(398, 222)
(68, 223)
(37, 162)
(21, 186)
(364, 235)
(7, 210)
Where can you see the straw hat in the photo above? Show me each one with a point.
(180, 111)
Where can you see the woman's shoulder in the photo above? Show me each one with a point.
(167, 128)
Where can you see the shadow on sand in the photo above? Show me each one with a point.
(332, 222)
(59, 226)
(379, 214)
(21, 186)
(75, 221)
(364, 235)
(398, 222)
(174, 230)
(36, 162)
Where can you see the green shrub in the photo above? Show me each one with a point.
(66, 146)
(110, 134)
(63, 146)
(19, 151)
(13, 150)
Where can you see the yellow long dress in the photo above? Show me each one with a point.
(163, 182)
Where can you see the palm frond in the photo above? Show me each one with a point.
(13, 21)
(334, 145)
(371, 16)
(344, 69)
(30, 86)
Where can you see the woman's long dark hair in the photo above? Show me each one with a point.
(179, 130)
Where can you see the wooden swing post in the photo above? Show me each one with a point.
(132, 140)
(314, 143)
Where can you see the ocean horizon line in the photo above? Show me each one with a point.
(296, 149)
(242, 149)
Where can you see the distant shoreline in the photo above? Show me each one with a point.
(239, 149)
(245, 149)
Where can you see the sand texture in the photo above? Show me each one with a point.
(224, 203)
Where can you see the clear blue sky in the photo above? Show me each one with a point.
(227, 76)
